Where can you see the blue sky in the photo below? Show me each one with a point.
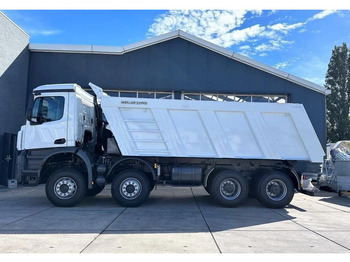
(299, 42)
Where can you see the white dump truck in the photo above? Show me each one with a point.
(77, 143)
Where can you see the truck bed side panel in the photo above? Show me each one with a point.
(180, 128)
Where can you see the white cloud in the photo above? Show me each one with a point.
(245, 47)
(226, 28)
(43, 32)
(264, 47)
(272, 45)
(33, 25)
(256, 12)
(217, 26)
(287, 64)
(321, 15)
(237, 36)
(284, 27)
(281, 65)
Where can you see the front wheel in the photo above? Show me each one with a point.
(131, 188)
(229, 188)
(66, 188)
(275, 189)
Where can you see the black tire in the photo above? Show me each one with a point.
(275, 189)
(131, 188)
(66, 188)
(229, 188)
(94, 191)
(152, 186)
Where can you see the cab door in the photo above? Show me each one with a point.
(46, 126)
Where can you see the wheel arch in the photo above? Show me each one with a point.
(294, 176)
(291, 173)
(64, 154)
(212, 172)
(112, 171)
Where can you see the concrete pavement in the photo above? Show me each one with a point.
(173, 220)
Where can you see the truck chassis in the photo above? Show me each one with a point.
(71, 174)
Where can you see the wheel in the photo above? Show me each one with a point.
(131, 188)
(340, 193)
(275, 189)
(228, 188)
(94, 191)
(66, 188)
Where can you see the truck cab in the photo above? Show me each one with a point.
(60, 116)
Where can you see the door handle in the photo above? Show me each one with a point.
(60, 141)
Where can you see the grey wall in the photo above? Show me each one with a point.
(174, 65)
(14, 60)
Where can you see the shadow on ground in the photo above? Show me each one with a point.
(343, 201)
(168, 210)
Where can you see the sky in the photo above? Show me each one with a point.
(299, 42)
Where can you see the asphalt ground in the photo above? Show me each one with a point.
(173, 220)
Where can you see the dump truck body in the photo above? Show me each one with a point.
(182, 128)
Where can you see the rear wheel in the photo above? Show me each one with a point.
(66, 188)
(228, 188)
(131, 188)
(275, 189)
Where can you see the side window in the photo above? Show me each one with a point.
(47, 109)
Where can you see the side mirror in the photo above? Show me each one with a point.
(38, 120)
(33, 120)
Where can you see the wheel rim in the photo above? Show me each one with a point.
(65, 188)
(230, 188)
(276, 190)
(130, 188)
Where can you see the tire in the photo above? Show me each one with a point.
(229, 188)
(66, 188)
(275, 189)
(131, 188)
(94, 191)
(152, 186)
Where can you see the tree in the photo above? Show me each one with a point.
(338, 102)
